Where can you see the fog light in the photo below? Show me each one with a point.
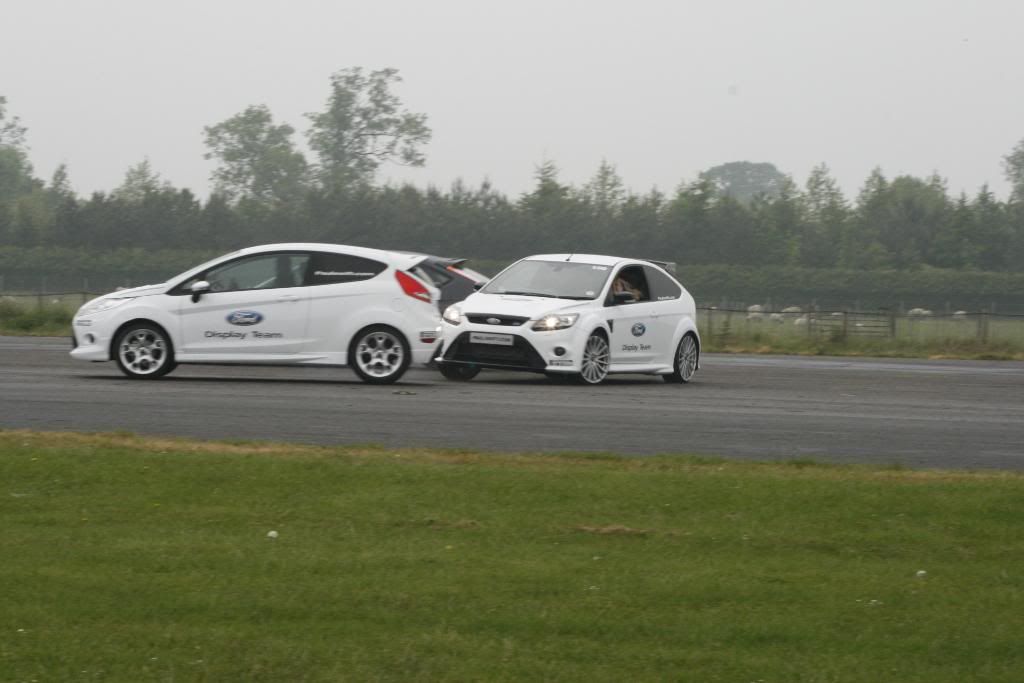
(559, 350)
(89, 339)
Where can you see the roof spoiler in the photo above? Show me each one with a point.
(668, 266)
(445, 261)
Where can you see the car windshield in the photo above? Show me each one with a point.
(558, 279)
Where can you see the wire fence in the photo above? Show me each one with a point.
(917, 324)
(760, 321)
(43, 299)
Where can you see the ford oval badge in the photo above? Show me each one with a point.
(494, 321)
(245, 318)
(639, 329)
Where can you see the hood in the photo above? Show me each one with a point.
(144, 290)
(532, 307)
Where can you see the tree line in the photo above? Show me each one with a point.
(266, 189)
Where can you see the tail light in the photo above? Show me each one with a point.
(412, 287)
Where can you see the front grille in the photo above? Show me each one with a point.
(520, 356)
(488, 318)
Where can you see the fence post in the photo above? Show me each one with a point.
(892, 324)
(983, 327)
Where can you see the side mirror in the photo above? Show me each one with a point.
(623, 298)
(198, 289)
(478, 285)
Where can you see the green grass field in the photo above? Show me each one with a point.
(126, 559)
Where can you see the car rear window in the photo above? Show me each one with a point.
(663, 288)
(330, 268)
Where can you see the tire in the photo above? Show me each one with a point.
(144, 351)
(379, 354)
(595, 361)
(685, 363)
(459, 373)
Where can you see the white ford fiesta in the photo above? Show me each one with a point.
(574, 315)
(294, 304)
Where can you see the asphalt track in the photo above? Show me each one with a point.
(949, 414)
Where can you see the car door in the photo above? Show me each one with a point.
(633, 324)
(257, 305)
(340, 286)
(666, 313)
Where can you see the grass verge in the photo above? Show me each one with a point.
(48, 320)
(936, 349)
(130, 559)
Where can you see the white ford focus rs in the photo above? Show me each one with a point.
(574, 315)
(293, 304)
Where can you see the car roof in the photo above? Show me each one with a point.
(403, 259)
(594, 259)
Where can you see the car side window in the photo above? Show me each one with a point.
(331, 268)
(663, 287)
(630, 279)
(260, 271)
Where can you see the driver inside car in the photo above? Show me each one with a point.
(621, 284)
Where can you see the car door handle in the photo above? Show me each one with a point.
(288, 297)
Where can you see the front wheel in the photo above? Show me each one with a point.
(379, 355)
(685, 364)
(459, 373)
(143, 351)
(595, 361)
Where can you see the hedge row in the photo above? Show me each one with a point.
(64, 269)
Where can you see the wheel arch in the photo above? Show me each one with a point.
(357, 334)
(687, 326)
(112, 350)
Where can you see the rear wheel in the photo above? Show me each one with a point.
(459, 373)
(596, 359)
(685, 364)
(143, 351)
(379, 355)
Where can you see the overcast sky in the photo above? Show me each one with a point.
(662, 89)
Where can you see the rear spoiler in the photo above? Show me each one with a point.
(668, 266)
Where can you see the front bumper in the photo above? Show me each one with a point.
(529, 351)
(89, 341)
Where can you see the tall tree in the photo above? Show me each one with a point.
(1013, 164)
(12, 133)
(825, 214)
(16, 180)
(257, 158)
(605, 190)
(65, 205)
(364, 126)
(745, 180)
(140, 181)
(861, 245)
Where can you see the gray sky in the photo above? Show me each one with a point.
(662, 89)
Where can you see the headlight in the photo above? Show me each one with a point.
(555, 322)
(453, 314)
(101, 305)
